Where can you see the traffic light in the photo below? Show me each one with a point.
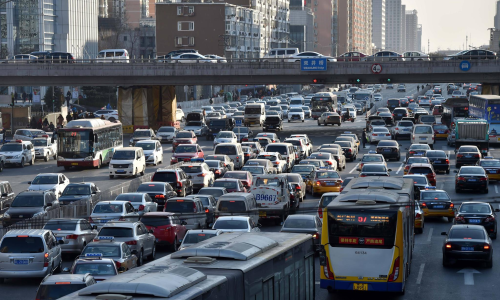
(319, 80)
(385, 80)
(354, 80)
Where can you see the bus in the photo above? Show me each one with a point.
(88, 143)
(367, 237)
(262, 265)
(454, 108)
(323, 102)
(487, 107)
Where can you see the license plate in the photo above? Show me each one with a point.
(423, 138)
(438, 206)
(104, 221)
(120, 171)
(59, 238)
(360, 286)
(437, 161)
(21, 261)
(74, 164)
(387, 150)
(271, 126)
(381, 134)
(330, 183)
(262, 213)
(474, 221)
(399, 115)
(472, 179)
(467, 248)
(406, 129)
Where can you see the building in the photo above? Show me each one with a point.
(403, 29)
(378, 24)
(302, 30)
(324, 23)
(343, 26)
(355, 26)
(494, 40)
(393, 26)
(412, 31)
(419, 38)
(497, 16)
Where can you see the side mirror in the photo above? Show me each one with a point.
(184, 223)
(390, 170)
(444, 233)
(151, 231)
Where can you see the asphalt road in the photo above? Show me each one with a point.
(428, 279)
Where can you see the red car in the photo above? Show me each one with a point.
(245, 177)
(167, 228)
(184, 137)
(231, 185)
(351, 56)
(187, 152)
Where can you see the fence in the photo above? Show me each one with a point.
(188, 106)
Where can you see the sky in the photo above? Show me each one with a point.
(446, 23)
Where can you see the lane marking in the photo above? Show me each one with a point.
(317, 282)
(441, 185)
(354, 169)
(399, 170)
(420, 273)
(449, 153)
(429, 237)
(496, 189)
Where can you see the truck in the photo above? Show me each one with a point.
(272, 194)
(472, 131)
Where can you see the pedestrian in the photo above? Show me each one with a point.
(102, 117)
(51, 127)
(33, 123)
(211, 101)
(364, 138)
(422, 87)
(204, 113)
(60, 120)
(418, 88)
(69, 118)
(15, 95)
(45, 122)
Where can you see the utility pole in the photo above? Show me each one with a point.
(428, 46)
(466, 41)
(53, 98)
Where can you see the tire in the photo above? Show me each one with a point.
(494, 236)
(67, 168)
(457, 166)
(22, 162)
(419, 230)
(153, 253)
(486, 191)
(319, 124)
(1, 166)
(174, 247)
(140, 258)
(302, 121)
(446, 263)
(457, 190)
(99, 163)
(143, 171)
(111, 176)
(450, 219)
(489, 263)
(46, 158)
(54, 157)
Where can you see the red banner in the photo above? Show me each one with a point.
(374, 241)
(348, 240)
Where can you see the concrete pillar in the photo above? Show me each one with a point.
(491, 89)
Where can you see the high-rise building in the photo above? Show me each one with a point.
(393, 26)
(323, 12)
(497, 16)
(302, 30)
(355, 26)
(403, 28)
(419, 38)
(378, 24)
(412, 31)
(343, 26)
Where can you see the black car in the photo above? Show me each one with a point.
(273, 123)
(439, 160)
(417, 150)
(80, 191)
(473, 54)
(374, 170)
(217, 125)
(217, 167)
(471, 178)
(349, 149)
(389, 149)
(467, 155)
(468, 243)
(399, 113)
(478, 213)
(28, 204)
(177, 179)
(387, 117)
(159, 192)
(393, 104)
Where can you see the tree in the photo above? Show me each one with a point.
(53, 98)
(99, 96)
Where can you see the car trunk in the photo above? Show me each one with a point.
(19, 257)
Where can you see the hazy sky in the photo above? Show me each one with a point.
(446, 23)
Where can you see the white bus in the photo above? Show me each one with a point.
(255, 114)
(88, 143)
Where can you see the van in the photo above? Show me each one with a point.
(254, 114)
(234, 151)
(238, 204)
(423, 134)
(189, 210)
(296, 102)
(273, 102)
(113, 55)
(277, 54)
(393, 104)
(27, 253)
(127, 161)
(287, 151)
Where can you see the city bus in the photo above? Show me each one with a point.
(367, 238)
(322, 102)
(88, 143)
(487, 107)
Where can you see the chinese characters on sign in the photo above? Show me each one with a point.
(313, 64)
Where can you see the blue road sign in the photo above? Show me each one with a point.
(239, 122)
(313, 64)
(465, 65)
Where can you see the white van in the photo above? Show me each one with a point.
(423, 134)
(287, 151)
(127, 161)
(238, 204)
(234, 151)
(277, 54)
(296, 101)
(254, 114)
(113, 55)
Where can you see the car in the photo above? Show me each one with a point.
(387, 117)
(235, 224)
(348, 138)
(177, 178)
(472, 54)
(109, 114)
(27, 205)
(6, 193)
(74, 233)
(478, 213)
(417, 150)
(106, 211)
(44, 148)
(372, 158)
(198, 127)
(62, 285)
(298, 183)
(142, 134)
(300, 144)
(375, 121)
(377, 97)
(414, 160)
(471, 178)
(140, 201)
(80, 191)
(436, 203)
(245, 177)
(18, 153)
(384, 56)
(153, 151)
(296, 113)
(209, 205)
(491, 166)
(389, 149)
(402, 128)
(326, 199)
(159, 193)
(27, 134)
(184, 137)
(327, 158)
(374, 170)
(225, 137)
(416, 56)
(200, 174)
(272, 136)
(308, 54)
(217, 167)
(401, 88)
(389, 86)
(318, 164)
(419, 218)
(323, 181)
(378, 134)
(226, 160)
(107, 247)
(216, 192)
(439, 160)
(243, 134)
(191, 58)
(469, 243)
(308, 224)
(423, 169)
(187, 153)
(166, 227)
(399, 113)
(467, 155)
(352, 56)
(338, 155)
(194, 236)
(230, 184)
(279, 162)
(255, 170)
(307, 111)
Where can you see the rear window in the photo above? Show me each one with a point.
(423, 130)
(428, 119)
(129, 197)
(405, 124)
(108, 208)
(227, 150)
(421, 170)
(231, 224)
(275, 148)
(180, 206)
(325, 200)
(232, 206)
(155, 221)
(164, 177)
(194, 238)
(387, 143)
(116, 232)
(299, 223)
(60, 225)
(184, 135)
(22, 245)
(151, 187)
(436, 154)
(56, 291)
(466, 234)
(373, 168)
(236, 175)
(392, 102)
(191, 169)
(418, 180)
(467, 149)
(226, 184)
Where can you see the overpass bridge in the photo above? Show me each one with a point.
(149, 72)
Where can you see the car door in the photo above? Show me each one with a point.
(142, 239)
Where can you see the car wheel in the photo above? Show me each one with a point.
(486, 191)
(450, 219)
(140, 259)
(175, 245)
(302, 121)
(494, 236)
(111, 176)
(153, 253)
(489, 263)
(46, 158)
(22, 162)
(143, 171)
(136, 173)
(446, 263)
(457, 166)
(448, 171)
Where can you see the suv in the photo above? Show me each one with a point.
(177, 178)
(44, 254)
(423, 134)
(189, 210)
(217, 125)
(399, 113)
(199, 173)
(27, 134)
(273, 123)
(44, 148)
(142, 134)
(28, 204)
(402, 129)
(393, 103)
(18, 153)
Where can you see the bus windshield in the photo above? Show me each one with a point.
(322, 104)
(362, 229)
(74, 142)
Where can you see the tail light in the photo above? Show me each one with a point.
(72, 237)
(326, 269)
(452, 205)
(277, 162)
(118, 264)
(476, 155)
(397, 128)
(296, 156)
(460, 219)
(486, 247)
(395, 271)
(418, 216)
(131, 243)
(361, 166)
(141, 207)
(407, 168)
(447, 161)
(206, 210)
(121, 219)
(424, 204)
(373, 134)
(330, 163)
(320, 212)
(202, 175)
(90, 220)
(160, 197)
(483, 179)
(362, 175)
(179, 184)
(46, 259)
(490, 219)
(387, 134)
(461, 178)
(459, 155)
(173, 159)
(244, 139)
(348, 150)
(237, 158)
(318, 183)
(412, 152)
(316, 236)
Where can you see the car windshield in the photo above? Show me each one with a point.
(226, 184)
(167, 129)
(472, 170)
(302, 169)
(39, 143)
(237, 175)
(130, 197)
(231, 224)
(315, 163)
(185, 149)
(214, 192)
(405, 124)
(466, 234)
(468, 149)
(194, 238)
(164, 177)
(95, 269)
(224, 135)
(490, 163)
(46, 179)
(117, 232)
(253, 170)
(473, 208)
(73, 190)
(146, 146)
(60, 225)
(124, 155)
(423, 130)
(28, 201)
(155, 221)
(299, 223)
(387, 144)
(436, 154)
(179, 206)
(142, 133)
(372, 158)
(296, 110)
(105, 250)
(327, 175)
(194, 124)
(11, 148)
(106, 208)
(151, 187)
(426, 195)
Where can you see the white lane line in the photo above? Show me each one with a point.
(441, 185)
(449, 153)
(496, 189)
(354, 169)
(317, 282)
(420, 273)
(399, 170)
(429, 237)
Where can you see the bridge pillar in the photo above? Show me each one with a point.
(490, 89)
(151, 106)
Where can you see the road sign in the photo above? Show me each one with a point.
(465, 65)
(239, 122)
(313, 64)
(376, 68)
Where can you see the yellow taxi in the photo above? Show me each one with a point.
(491, 166)
(419, 218)
(323, 181)
(436, 203)
(441, 131)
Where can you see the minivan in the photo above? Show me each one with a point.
(238, 204)
(278, 53)
(286, 150)
(423, 134)
(254, 114)
(234, 151)
(393, 103)
(128, 161)
(113, 55)
(29, 253)
(427, 119)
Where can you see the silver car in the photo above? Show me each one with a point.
(166, 134)
(194, 236)
(106, 211)
(379, 134)
(27, 134)
(141, 241)
(74, 233)
(140, 201)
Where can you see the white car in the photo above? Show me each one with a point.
(402, 129)
(179, 114)
(236, 224)
(308, 54)
(220, 59)
(106, 211)
(200, 173)
(153, 151)
(44, 148)
(306, 140)
(18, 153)
(377, 97)
(192, 58)
(225, 137)
(166, 133)
(379, 134)
(423, 134)
(54, 182)
(457, 94)
(276, 159)
(296, 113)
(109, 114)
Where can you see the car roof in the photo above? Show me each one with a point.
(73, 278)
(159, 214)
(240, 218)
(423, 165)
(112, 202)
(298, 216)
(29, 232)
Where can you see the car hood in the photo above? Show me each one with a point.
(11, 153)
(24, 210)
(148, 152)
(188, 154)
(141, 138)
(42, 187)
(192, 128)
